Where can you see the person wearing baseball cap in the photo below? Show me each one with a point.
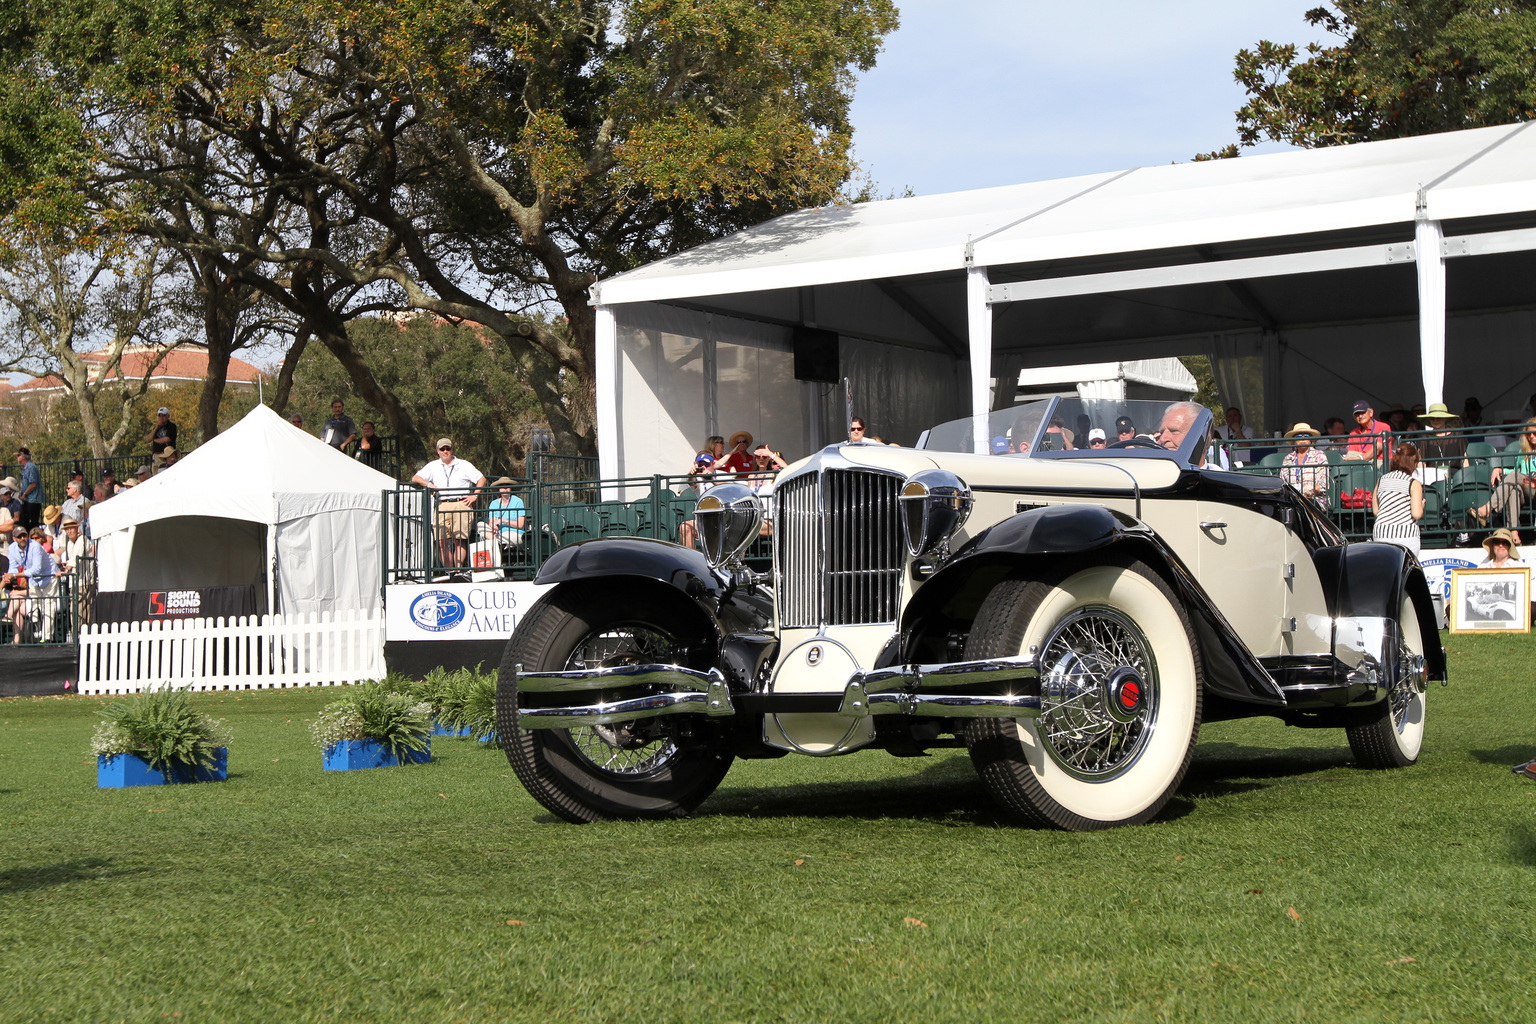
(1370, 438)
(454, 515)
(1096, 438)
(1124, 429)
(161, 436)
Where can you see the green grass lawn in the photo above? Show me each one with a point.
(1282, 884)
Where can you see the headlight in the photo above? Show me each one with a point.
(728, 518)
(934, 505)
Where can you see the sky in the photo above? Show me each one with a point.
(976, 93)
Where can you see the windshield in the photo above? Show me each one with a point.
(1069, 428)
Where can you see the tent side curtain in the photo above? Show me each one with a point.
(188, 552)
(322, 566)
(685, 375)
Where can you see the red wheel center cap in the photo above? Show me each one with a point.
(1130, 695)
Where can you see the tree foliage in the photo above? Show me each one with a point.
(454, 381)
(1398, 68)
(481, 160)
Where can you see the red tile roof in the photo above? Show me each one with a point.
(182, 364)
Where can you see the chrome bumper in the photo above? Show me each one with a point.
(908, 690)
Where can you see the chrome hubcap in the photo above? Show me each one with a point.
(618, 749)
(1098, 693)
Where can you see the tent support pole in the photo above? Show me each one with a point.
(979, 317)
(606, 355)
(1430, 263)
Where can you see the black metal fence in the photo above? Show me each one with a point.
(459, 534)
(1469, 477)
(52, 612)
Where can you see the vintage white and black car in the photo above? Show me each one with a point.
(1069, 615)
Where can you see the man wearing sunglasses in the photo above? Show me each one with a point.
(455, 513)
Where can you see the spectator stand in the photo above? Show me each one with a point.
(43, 659)
(1454, 485)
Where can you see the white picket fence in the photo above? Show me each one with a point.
(242, 653)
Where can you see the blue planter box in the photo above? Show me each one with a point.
(438, 730)
(350, 755)
(131, 770)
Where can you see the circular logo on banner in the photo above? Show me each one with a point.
(437, 610)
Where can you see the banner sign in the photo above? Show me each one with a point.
(1438, 565)
(187, 603)
(456, 611)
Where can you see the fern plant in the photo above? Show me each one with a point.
(400, 722)
(163, 729)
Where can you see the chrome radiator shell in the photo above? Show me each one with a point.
(838, 550)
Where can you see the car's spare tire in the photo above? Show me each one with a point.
(1120, 696)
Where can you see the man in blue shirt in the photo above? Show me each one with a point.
(31, 580)
(31, 489)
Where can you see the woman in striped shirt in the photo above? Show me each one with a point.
(1400, 501)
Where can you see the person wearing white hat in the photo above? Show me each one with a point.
(1304, 466)
(1096, 438)
(161, 436)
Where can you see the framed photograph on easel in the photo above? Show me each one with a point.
(1491, 600)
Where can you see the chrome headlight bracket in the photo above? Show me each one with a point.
(935, 504)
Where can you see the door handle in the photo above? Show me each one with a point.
(1213, 526)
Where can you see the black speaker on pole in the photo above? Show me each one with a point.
(816, 355)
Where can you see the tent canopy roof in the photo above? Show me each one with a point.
(1464, 175)
(263, 470)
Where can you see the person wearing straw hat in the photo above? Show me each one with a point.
(740, 459)
(51, 517)
(1503, 549)
(1443, 450)
(1305, 467)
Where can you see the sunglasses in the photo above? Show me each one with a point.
(1096, 444)
(446, 448)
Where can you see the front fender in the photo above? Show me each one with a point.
(660, 571)
(1058, 537)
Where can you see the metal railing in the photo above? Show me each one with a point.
(440, 536)
(1457, 469)
(51, 614)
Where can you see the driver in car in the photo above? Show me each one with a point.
(1177, 419)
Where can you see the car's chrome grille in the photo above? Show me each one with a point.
(839, 548)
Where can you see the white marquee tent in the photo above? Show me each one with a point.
(1401, 271)
(263, 503)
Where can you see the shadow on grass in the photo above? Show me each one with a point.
(46, 876)
(1509, 756)
(948, 792)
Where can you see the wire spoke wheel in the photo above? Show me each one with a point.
(619, 749)
(1120, 696)
(647, 768)
(1098, 693)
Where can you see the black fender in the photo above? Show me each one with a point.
(1369, 579)
(660, 571)
(1036, 540)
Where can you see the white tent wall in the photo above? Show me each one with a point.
(1324, 370)
(684, 375)
(339, 573)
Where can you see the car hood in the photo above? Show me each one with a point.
(998, 471)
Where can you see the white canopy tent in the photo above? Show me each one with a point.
(263, 503)
(1389, 269)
